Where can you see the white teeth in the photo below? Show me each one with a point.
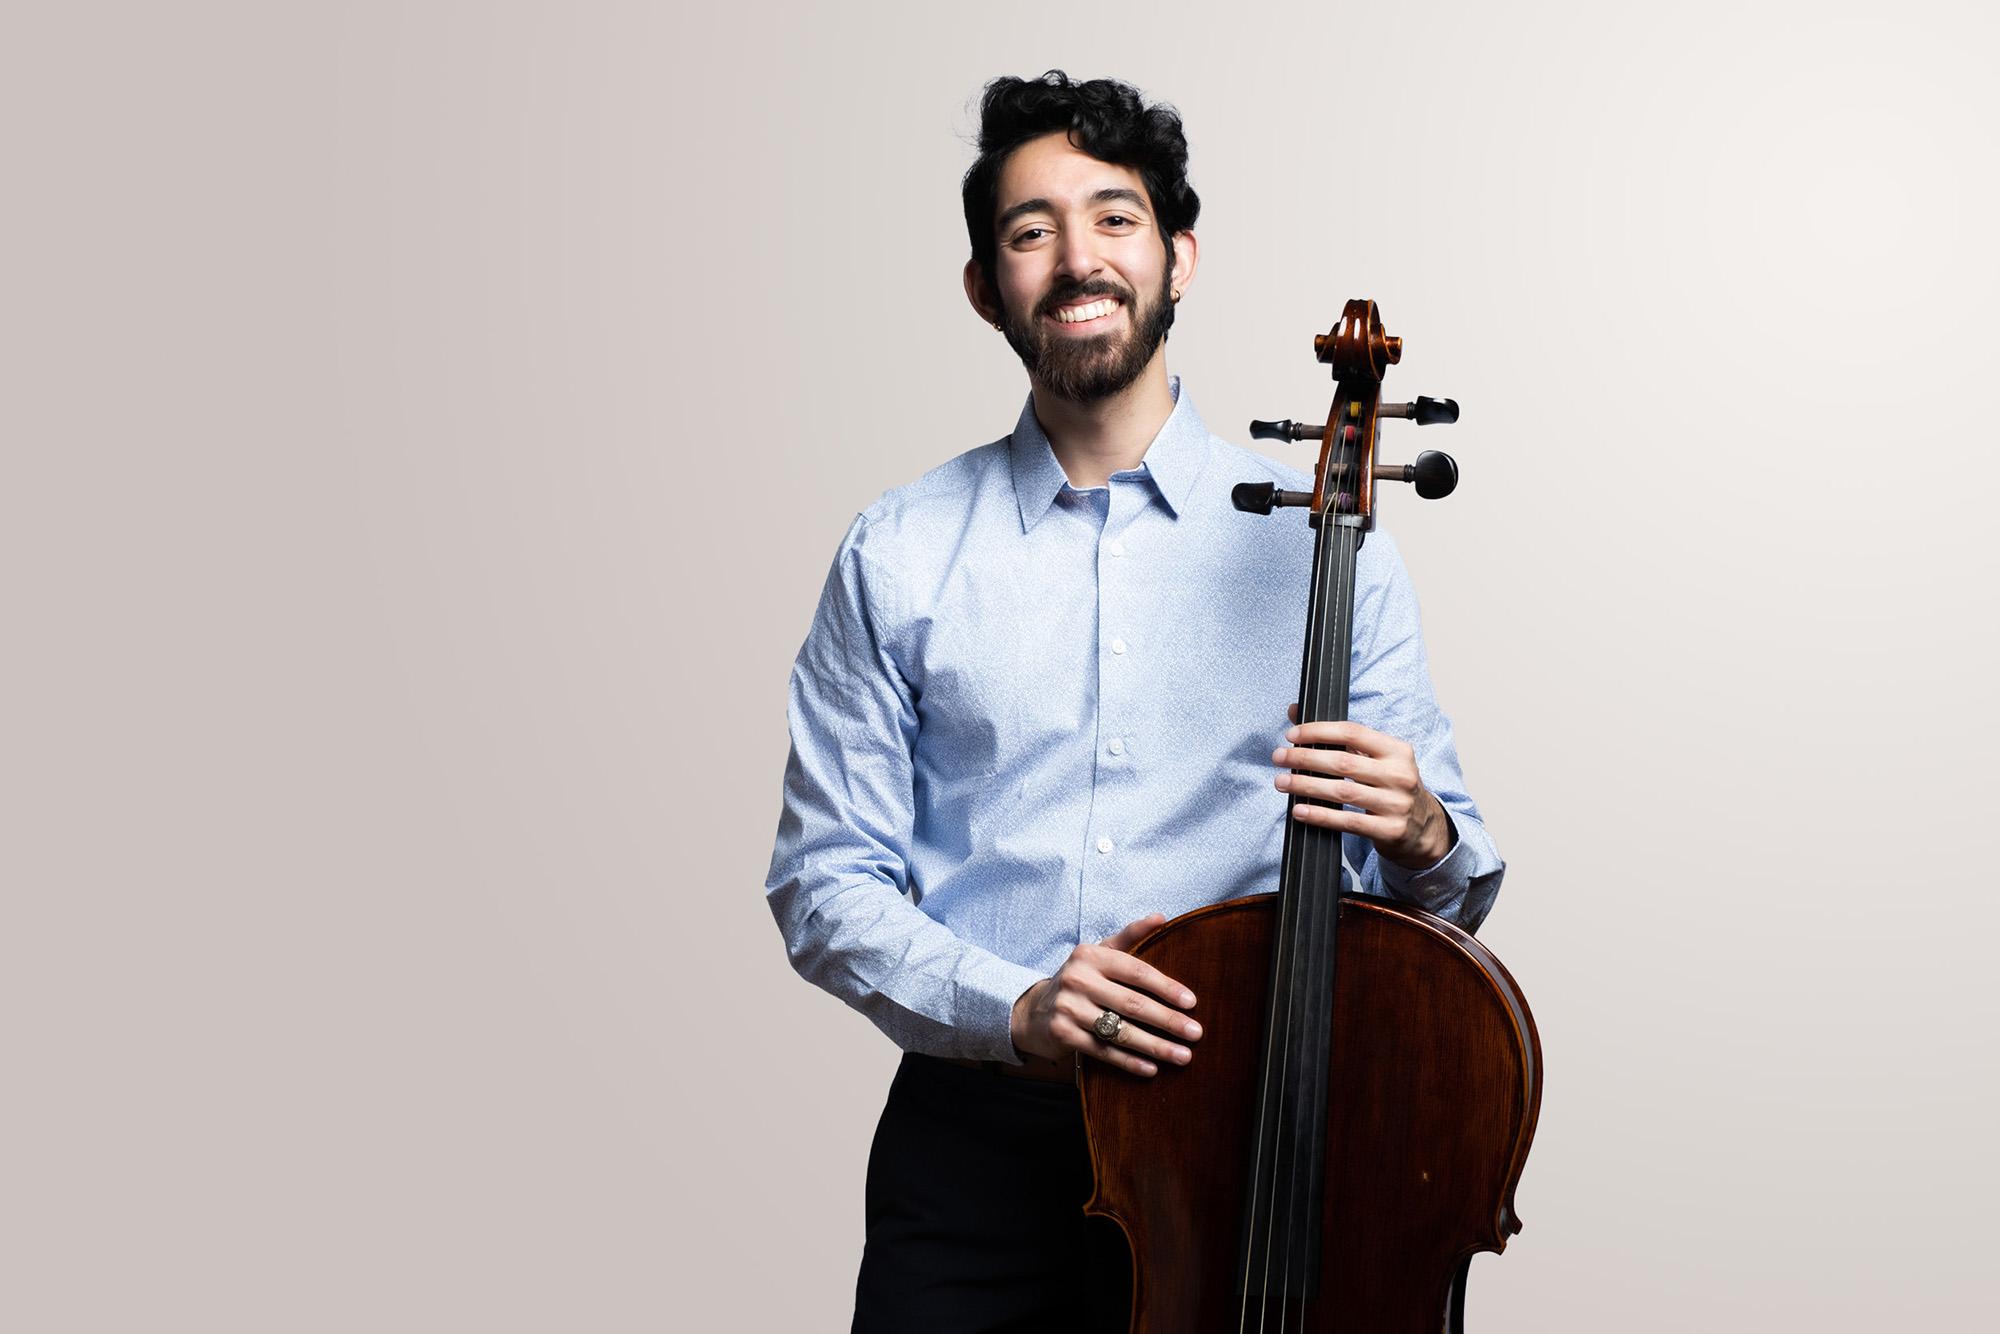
(1090, 312)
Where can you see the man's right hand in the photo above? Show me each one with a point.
(1057, 1015)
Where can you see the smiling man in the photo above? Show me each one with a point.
(1087, 327)
(1035, 716)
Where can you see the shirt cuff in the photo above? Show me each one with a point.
(984, 1017)
(1439, 882)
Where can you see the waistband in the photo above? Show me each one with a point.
(1032, 1067)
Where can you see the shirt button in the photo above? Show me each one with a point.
(1117, 746)
(1117, 646)
(1117, 548)
(1104, 845)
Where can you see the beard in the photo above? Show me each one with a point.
(1084, 370)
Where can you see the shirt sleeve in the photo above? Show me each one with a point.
(1391, 692)
(840, 868)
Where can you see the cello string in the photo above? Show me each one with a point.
(1336, 882)
(1326, 943)
(1258, 1233)
(1323, 859)
(1317, 937)
(1285, 1231)
(1313, 906)
(1289, 905)
(1256, 1177)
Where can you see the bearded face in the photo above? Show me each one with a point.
(1082, 275)
(1078, 350)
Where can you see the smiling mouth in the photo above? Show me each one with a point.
(1088, 313)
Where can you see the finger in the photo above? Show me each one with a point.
(1125, 937)
(1104, 994)
(1352, 735)
(1080, 1038)
(1131, 1037)
(1386, 801)
(1292, 712)
(1118, 1056)
(1136, 972)
(1347, 763)
(1348, 822)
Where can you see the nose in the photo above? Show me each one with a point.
(1078, 261)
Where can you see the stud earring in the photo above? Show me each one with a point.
(1177, 294)
(996, 324)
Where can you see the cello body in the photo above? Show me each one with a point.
(1360, 1106)
(1436, 1065)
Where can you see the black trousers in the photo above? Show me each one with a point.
(976, 1184)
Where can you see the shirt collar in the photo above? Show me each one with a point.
(1173, 459)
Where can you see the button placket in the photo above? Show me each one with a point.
(1116, 687)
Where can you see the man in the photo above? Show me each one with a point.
(1034, 718)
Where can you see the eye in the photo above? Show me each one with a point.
(1118, 217)
(1020, 237)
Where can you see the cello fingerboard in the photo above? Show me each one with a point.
(1285, 1205)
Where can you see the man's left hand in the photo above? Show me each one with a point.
(1377, 773)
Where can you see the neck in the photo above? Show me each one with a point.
(1093, 440)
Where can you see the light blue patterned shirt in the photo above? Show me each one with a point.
(1026, 715)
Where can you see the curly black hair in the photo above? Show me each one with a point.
(1105, 118)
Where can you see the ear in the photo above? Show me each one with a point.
(1186, 255)
(980, 293)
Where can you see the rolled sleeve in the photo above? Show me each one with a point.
(839, 871)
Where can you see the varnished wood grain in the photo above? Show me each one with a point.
(1436, 1079)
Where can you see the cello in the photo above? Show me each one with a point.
(1369, 1077)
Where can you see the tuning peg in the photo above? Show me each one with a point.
(1434, 472)
(1425, 411)
(1263, 497)
(1286, 430)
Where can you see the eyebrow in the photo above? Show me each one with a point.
(1109, 194)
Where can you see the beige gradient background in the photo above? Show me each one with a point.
(428, 426)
